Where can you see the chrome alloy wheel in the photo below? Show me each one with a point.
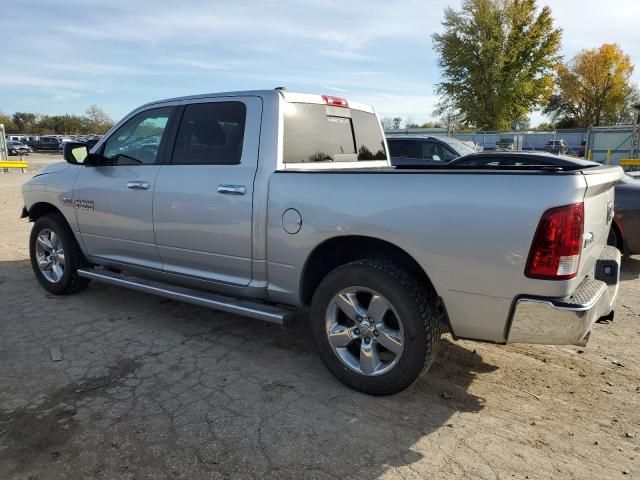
(364, 331)
(50, 255)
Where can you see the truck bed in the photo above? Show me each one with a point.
(470, 230)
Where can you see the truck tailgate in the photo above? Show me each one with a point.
(598, 213)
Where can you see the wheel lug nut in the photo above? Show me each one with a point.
(356, 332)
(376, 333)
(367, 340)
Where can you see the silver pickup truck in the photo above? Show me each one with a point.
(259, 202)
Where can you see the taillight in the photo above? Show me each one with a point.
(555, 252)
(335, 101)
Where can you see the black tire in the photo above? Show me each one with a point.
(70, 281)
(415, 306)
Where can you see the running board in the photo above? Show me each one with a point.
(259, 311)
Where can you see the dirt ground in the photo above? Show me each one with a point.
(151, 388)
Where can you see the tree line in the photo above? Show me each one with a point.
(94, 121)
(500, 59)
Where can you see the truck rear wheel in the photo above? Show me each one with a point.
(55, 255)
(375, 325)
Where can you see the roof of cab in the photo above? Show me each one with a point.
(293, 97)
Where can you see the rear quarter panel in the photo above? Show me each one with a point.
(599, 201)
(471, 232)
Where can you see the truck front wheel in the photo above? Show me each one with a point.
(55, 255)
(376, 326)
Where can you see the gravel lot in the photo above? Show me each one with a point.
(151, 388)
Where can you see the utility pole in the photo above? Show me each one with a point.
(3, 144)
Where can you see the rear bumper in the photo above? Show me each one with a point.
(568, 321)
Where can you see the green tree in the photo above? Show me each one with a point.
(545, 127)
(396, 122)
(431, 125)
(520, 123)
(68, 124)
(24, 122)
(7, 121)
(497, 59)
(594, 88)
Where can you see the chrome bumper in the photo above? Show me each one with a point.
(567, 321)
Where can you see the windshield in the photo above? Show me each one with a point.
(459, 146)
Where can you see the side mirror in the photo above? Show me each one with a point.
(75, 153)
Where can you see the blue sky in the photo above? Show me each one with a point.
(62, 56)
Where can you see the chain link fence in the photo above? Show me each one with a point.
(616, 145)
(611, 144)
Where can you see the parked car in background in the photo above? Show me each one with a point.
(47, 143)
(624, 233)
(506, 144)
(559, 147)
(425, 149)
(30, 140)
(89, 140)
(473, 145)
(18, 148)
(259, 202)
(62, 141)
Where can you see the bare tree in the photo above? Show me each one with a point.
(410, 122)
(97, 119)
(387, 123)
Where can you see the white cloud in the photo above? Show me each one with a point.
(62, 96)
(18, 80)
(351, 25)
(420, 107)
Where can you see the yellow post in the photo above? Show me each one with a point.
(608, 162)
(589, 156)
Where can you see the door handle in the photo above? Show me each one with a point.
(138, 185)
(232, 189)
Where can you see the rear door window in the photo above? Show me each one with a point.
(405, 148)
(211, 134)
(321, 133)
